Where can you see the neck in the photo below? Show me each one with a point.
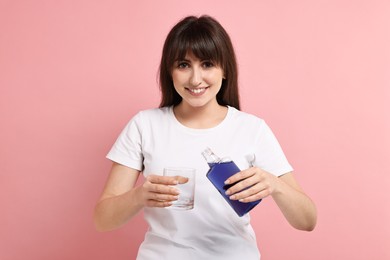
(200, 117)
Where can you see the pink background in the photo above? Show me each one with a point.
(72, 73)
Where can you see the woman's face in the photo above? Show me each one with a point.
(197, 81)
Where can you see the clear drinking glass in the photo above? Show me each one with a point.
(187, 190)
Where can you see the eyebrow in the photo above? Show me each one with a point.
(177, 60)
(187, 60)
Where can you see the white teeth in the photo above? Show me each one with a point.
(196, 90)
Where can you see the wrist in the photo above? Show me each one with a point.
(278, 188)
(135, 195)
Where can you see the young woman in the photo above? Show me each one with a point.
(199, 109)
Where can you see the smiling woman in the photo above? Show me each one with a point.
(199, 108)
(197, 82)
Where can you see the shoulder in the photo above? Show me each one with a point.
(145, 120)
(153, 114)
(240, 117)
(148, 119)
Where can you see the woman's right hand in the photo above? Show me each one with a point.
(158, 191)
(121, 199)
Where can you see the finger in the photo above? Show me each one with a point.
(158, 204)
(181, 179)
(241, 175)
(158, 179)
(255, 189)
(163, 189)
(243, 184)
(160, 188)
(162, 197)
(247, 192)
(257, 196)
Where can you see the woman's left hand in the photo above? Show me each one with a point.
(251, 184)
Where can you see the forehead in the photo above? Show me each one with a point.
(203, 47)
(190, 56)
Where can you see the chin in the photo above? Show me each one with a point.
(196, 105)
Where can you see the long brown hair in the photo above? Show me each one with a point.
(207, 40)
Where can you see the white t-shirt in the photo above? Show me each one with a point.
(154, 139)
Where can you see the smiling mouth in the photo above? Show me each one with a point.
(197, 90)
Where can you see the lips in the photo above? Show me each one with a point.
(197, 91)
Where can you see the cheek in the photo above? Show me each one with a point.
(177, 86)
(215, 77)
(217, 81)
(177, 79)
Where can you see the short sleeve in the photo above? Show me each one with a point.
(127, 148)
(269, 155)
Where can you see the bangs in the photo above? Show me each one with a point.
(200, 43)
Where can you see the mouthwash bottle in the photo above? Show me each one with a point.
(220, 170)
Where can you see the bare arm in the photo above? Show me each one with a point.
(121, 200)
(296, 206)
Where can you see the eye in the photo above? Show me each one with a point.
(208, 64)
(182, 65)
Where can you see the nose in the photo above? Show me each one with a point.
(196, 76)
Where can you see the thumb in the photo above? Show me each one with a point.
(181, 179)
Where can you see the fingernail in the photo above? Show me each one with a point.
(227, 181)
(228, 192)
(232, 197)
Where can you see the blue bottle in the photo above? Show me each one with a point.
(220, 170)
